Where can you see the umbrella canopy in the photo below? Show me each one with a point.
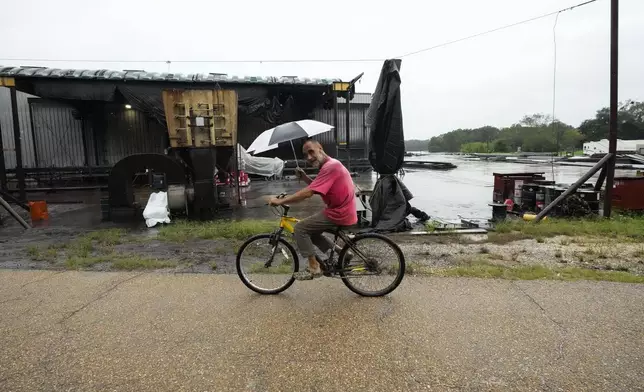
(270, 139)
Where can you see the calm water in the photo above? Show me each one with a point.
(466, 191)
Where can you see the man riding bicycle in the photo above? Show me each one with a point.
(334, 184)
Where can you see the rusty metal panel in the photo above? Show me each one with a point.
(201, 118)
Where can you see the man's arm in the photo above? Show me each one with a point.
(298, 196)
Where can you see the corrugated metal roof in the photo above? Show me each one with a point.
(104, 74)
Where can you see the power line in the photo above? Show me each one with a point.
(364, 60)
(497, 29)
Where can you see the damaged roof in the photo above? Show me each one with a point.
(140, 75)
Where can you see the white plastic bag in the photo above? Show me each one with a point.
(156, 211)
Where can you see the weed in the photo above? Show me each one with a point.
(106, 237)
(259, 268)
(213, 266)
(129, 263)
(541, 240)
(76, 262)
(183, 231)
(484, 250)
(618, 227)
(558, 254)
(39, 254)
(486, 270)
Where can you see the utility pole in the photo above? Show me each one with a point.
(612, 138)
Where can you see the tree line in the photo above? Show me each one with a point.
(537, 133)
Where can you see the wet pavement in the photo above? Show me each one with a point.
(162, 332)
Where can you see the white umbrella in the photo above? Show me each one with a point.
(270, 139)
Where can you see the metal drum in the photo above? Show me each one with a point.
(529, 197)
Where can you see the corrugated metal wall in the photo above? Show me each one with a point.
(6, 124)
(357, 125)
(129, 132)
(58, 135)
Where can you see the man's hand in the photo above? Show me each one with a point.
(274, 201)
(299, 172)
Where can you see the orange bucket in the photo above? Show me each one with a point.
(38, 210)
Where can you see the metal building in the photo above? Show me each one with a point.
(59, 132)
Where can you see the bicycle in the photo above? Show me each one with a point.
(281, 261)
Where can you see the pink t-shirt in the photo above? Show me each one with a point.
(335, 185)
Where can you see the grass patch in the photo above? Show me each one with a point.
(258, 268)
(182, 231)
(130, 263)
(37, 253)
(213, 266)
(76, 262)
(558, 254)
(486, 270)
(107, 237)
(620, 226)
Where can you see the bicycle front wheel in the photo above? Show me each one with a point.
(372, 265)
(266, 265)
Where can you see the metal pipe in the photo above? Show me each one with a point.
(335, 122)
(612, 138)
(65, 188)
(364, 133)
(3, 169)
(14, 213)
(33, 134)
(573, 187)
(20, 174)
(600, 180)
(348, 140)
(12, 199)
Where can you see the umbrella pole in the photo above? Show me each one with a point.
(297, 165)
(294, 156)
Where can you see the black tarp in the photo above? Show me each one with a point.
(387, 139)
(390, 199)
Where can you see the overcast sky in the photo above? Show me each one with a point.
(490, 80)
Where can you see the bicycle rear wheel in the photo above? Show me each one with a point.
(376, 268)
(267, 266)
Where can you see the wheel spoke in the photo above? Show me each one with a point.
(376, 267)
(260, 275)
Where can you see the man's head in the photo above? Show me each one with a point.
(314, 153)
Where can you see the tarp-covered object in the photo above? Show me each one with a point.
(261, 166)
(390, 205)
(387, 139)
(390, 199)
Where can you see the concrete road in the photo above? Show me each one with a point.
(81, 331)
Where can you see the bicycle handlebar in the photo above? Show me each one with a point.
(285, 207)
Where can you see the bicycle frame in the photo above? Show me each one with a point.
(288, 223)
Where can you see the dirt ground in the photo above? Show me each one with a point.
(53, 248)
(75, 238)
